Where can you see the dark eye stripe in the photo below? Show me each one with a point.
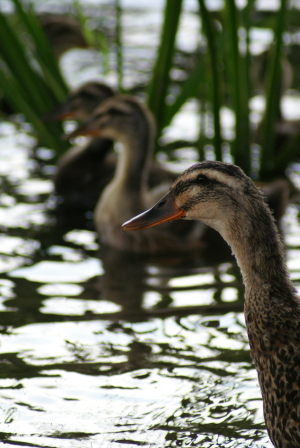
(200, 180)
(182, 186)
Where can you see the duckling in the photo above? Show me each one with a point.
(63, 33)
(223, 197)
(126, 120)
(82, 101)
(83, 171)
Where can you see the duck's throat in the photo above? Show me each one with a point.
(133, 162)
(124, 196)
(259, 251)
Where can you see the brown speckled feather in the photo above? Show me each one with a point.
(223, 197)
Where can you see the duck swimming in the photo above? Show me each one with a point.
(223, 197)
(126, 120)
(63, 33)
(83, 171)
(82, 101)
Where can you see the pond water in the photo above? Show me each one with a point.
(103, 349)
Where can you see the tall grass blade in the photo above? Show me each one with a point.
(273, 95)
(48, 133)
(22, 82)
(236, 64)
(42, 51)
(17, 61)
(189, 89)
(94, 37)
(216, 81)
(160, 81)
(119, 45)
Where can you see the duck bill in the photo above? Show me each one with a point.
(165, 210)
(84, 129)
(63, 112)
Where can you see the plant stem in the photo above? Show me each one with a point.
(210, 30)
(273, 96)
(160, 81)
(119, 45)
(237, 66)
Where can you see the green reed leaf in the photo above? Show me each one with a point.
(160, 81)
(273, 95)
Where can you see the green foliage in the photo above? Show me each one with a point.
(224, 68)
(273, 97)
(212, 37)
(220, 77)
(31, 80)
(119, 45)
(238, 71)
(159, 84)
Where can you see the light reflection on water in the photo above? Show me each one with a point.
(106, 349)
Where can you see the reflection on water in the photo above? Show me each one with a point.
(105, 349)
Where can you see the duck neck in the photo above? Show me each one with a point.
(134, 159)
(259, 251)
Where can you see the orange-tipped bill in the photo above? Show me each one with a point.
(62, 112)
(164, 210)
(85, 128)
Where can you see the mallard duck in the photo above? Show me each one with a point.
(126, 120)
(223, 197)
(83, 171)
(82, 101)
(63, 33)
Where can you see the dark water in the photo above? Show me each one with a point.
(102, 349)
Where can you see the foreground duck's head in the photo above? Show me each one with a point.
(82, 102)
(212, 192)
(119, 118)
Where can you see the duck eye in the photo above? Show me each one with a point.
(116, 111)
(202, 179)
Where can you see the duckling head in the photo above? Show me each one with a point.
(82, 102)
(121, 118)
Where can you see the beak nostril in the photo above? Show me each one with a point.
(161, 203)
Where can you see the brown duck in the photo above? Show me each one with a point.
(84, 170)
(223, 197)
(127, 121)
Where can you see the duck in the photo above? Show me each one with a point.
(83, 170)
(82, 101)
(63, 33)
(221, 196)
(128, 121)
